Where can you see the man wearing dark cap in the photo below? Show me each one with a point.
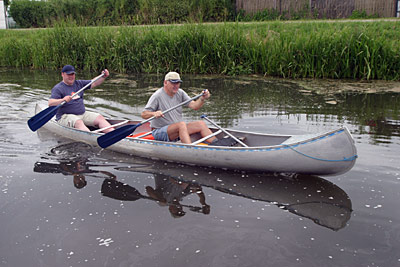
(170, 126)
(73, 112)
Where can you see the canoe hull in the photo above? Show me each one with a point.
(330, 153)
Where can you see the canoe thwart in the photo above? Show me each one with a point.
(205, 138)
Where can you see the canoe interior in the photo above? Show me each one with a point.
(250, 139)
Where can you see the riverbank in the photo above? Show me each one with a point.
(300, 49)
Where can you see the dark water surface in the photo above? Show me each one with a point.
(246, 220)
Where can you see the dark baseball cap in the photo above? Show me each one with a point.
(68, 69)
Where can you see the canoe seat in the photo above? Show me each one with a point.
(148, 136)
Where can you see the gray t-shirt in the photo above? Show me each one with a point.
(160, 100)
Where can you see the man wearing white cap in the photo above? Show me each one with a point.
(170, 126)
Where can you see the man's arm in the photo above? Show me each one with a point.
(199, 102)
(56, 102)
(147, 114)
(151, 108)
(101, 80)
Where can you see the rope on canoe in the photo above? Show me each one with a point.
(329, 160)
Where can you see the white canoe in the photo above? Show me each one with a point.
(328, 153)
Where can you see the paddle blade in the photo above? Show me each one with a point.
(42, 117)
(117, 190)
(110, 138)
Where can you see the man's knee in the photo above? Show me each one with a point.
(198, 125)
(98, 119)
(79, 124)
(181, 125)
(202, 124)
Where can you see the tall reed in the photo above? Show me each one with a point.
(297, 50)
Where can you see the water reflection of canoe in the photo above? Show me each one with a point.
(327, 153)
(308, 196)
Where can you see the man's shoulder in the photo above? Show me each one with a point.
(159, 93)
(81, 83)
(59, 86)
(182, 94)
(181, 91)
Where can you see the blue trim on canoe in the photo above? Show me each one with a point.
(329, 160)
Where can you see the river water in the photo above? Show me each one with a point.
(224, 218)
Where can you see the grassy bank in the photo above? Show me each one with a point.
(356, 50)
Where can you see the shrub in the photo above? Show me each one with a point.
(119, 12)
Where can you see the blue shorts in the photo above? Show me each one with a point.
(161, 134)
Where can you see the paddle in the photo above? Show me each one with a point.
(44, 116)
(113, 137)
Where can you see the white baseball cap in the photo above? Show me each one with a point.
(173, 77)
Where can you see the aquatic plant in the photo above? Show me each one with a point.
(355, 50)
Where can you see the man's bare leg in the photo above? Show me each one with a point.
(81, 126)
(183, 131)
(180, 130)
(100, 122)
(200, 127)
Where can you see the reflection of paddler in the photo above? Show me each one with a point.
(80, 179)
(64, 167)
(72, 159)
(78, 169)
(170, 191)
(121, 191)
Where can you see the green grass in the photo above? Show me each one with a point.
(303, 49)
